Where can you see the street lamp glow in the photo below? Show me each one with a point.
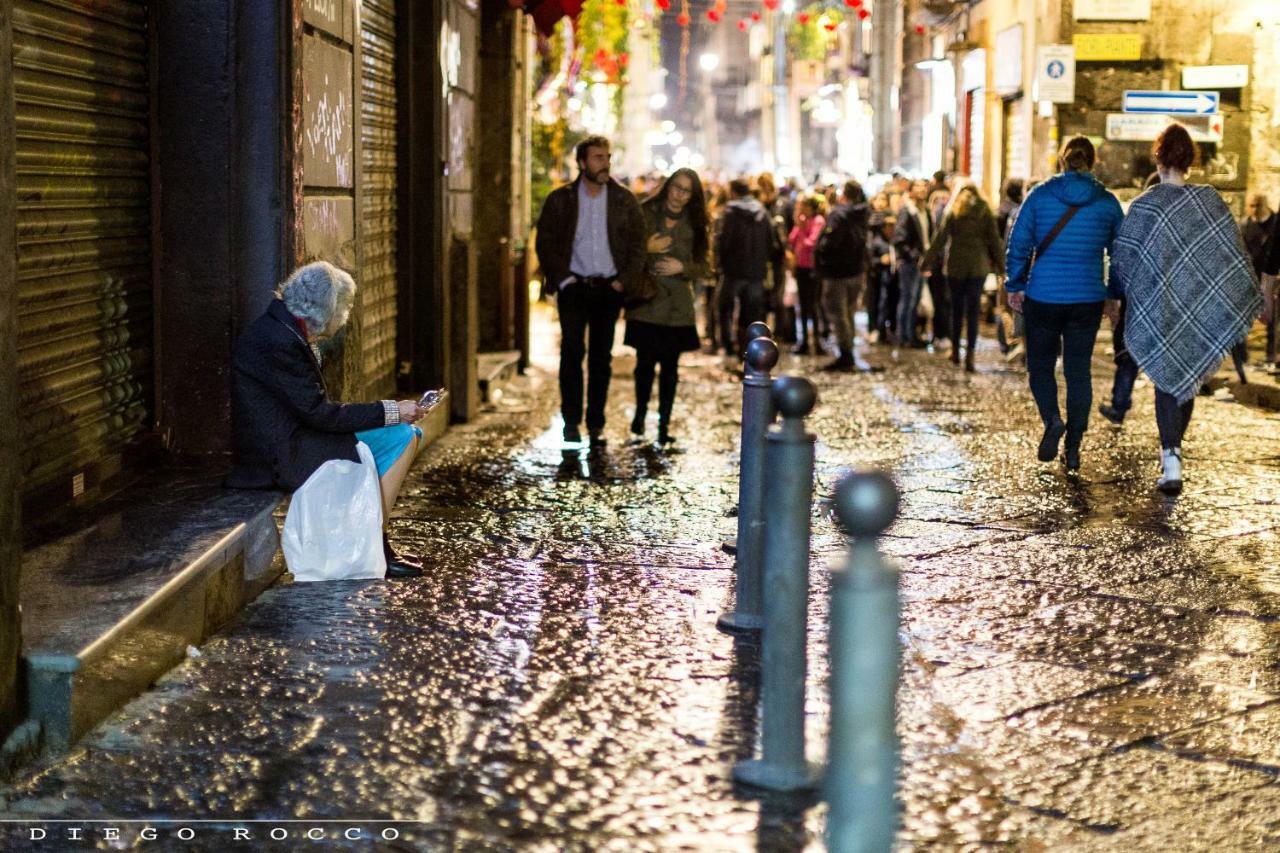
(709, 61)
(788, 7)
(658, 101)
(668, 126)
(675, 138)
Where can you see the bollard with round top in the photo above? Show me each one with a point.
(757, 414)
(862, 754)
(789, 496)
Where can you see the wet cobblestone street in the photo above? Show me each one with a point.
(1087, 664)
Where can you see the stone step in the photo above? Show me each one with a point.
(118, 594)
(115, 602)
(494, 370)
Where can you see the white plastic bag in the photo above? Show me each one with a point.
(333, 530)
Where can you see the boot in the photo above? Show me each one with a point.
(399, 566)
(801, 348)
(1170, 481)
(637, 423)
(1071, 454)
(1049, 441)
(955, 356)
(844, 363)
(968, 362)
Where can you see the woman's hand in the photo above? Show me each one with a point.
(1015, 301)
(668, 266)
(409, 411)
(659, 244)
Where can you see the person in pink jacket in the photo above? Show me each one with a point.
(803, 238)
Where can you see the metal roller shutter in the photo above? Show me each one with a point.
(84, 250)
(378, 220)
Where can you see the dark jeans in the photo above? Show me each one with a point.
(939, 293)
(882, 299)
(809, 288)
(966, 296)
(909, 284)
(588, 316)
(1126, 367)
(1172, 419)
(668, 378)
(748, 295)
(1074, 328)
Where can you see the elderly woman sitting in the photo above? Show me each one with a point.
(284, 426)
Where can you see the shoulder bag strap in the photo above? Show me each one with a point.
(1070, 213)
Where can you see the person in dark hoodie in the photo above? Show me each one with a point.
(1055, 266)
(840, 260)
(743, 246)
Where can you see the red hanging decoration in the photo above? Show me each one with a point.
(624, 59)
(620, 2)
(664, 5)
(721, 6)
(771, 5)
(803, 17)
(713, 16)
(744, 25)
(863, 14)
(682, 19)
(830, 26)
(920, 30)
(755, 17)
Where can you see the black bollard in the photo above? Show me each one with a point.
(757, 414)
(862, 750)
(789, 496)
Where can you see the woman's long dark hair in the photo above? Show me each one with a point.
(696, 209)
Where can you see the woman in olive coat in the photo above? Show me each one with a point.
(663, 327)
(971, 244)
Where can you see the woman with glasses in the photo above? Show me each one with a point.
(664, 326)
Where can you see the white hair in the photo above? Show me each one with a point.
(319, 294)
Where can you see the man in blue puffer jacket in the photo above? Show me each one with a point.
(1055, 267)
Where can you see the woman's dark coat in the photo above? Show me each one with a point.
(283, 426)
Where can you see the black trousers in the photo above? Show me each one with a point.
(1073, 328)
(1172, 419)
(588, 316)
(668, 378)
(940, 294)
(1126, 367)
(809, 289)
(966, 297)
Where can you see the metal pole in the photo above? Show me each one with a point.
(789, 495)
(757, 414)
(754, 330)
(862, 748)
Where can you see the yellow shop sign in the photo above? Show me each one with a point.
(1108, 47)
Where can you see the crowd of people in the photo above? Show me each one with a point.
(927, 260)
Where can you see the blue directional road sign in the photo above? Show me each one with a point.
(1172, 103)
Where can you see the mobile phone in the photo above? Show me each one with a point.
(431, 398)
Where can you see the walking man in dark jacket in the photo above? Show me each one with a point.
(1257, 229)
(910, 242)
(591, 248)
(743, 247)
(840, 260)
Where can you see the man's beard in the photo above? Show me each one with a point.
(599, 177)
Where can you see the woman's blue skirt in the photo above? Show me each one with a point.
(388, 443)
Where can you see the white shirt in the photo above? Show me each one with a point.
(591, 256)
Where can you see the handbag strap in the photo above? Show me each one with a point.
(1066, 217)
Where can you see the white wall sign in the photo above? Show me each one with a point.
(1008, 70)
(1112, 10)
(1145, 127)
(1056, 73)
(1215, 77)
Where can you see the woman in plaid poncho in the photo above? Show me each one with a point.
(1191, 290)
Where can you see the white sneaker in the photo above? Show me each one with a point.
(1170, 481)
